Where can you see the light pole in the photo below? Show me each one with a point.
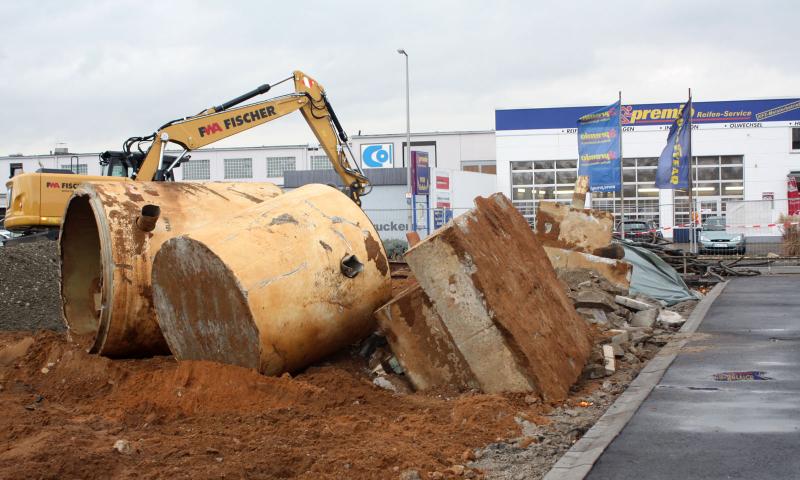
(408, 145)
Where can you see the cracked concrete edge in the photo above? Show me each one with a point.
(577, 462)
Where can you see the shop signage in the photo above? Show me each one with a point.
(421, 173)
(730, 114)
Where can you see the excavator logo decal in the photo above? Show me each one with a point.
(238, 120)
(209, 129)
(71, 186)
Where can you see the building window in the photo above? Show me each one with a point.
(238, 168)
(320, 162)
(533, 181)
(79, 168)
(796, 139)
(489, 167)
(716, 180)
(639, 188)
(277, 165)
(197, 170)
(14, 169)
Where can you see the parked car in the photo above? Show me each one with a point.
(714, 238)
(640, 230)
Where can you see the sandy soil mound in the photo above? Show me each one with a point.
(64, 410)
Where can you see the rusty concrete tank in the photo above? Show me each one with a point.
(275, 287)
(110, 233)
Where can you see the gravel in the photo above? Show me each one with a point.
(29, 287)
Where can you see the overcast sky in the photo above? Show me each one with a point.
(93, 73)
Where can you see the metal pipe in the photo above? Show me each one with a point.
(408, 142)
(274, 287)
(147, 220)
(106, 255)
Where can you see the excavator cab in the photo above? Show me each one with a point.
(126, 164)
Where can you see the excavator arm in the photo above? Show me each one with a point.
(216, 123)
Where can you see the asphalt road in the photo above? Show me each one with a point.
(693, 426)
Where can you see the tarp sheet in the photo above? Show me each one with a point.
(655, 277)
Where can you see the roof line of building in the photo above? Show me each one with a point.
(211, 149)
(624, 102)
(422, 134)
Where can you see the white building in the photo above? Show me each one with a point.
(743, 149)
(467, 159)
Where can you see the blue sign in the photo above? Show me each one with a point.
(441, 216)
(741, 113)
(378, 155)
(599, 149)
(421, 173)
(673, 165)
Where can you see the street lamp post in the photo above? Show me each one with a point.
(408, 144)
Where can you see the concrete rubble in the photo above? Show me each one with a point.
(489, 311)
(479, 319)
(581, 239)
(561, 226)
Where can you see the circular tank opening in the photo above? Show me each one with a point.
(81, 268)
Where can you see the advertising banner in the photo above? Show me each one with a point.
(716, 114)
(599, 149)
(421, 173)
(674, 163)
(441, 216)
(379, 155)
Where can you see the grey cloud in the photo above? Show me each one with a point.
(93, 73)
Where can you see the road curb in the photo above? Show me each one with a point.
(578, 460)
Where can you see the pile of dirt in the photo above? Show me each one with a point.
(29, 287)
(65, 409)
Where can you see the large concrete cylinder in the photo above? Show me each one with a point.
(275, 287)
(110, 233)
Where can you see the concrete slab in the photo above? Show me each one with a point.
(491, 283)
(561, 226)
(422, 344)
(617, 272)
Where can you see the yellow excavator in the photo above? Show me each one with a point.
(37, 200)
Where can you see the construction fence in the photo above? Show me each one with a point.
(724, 227)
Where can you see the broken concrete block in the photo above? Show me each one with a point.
(620, 336)
(608, 359)
(594, 298)
(593, 315)
(618, 342)
(616, 272)
(497, 295)
(672, 319)
(422, 344)
(560, 226)
(633, 303)
(638, 334)
(644, 318)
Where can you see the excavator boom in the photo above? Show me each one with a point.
(37, 200)
(220, 122)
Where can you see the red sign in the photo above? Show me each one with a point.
(794, 196)
(442, 182)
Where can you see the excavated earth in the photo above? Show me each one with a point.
(29, 295)
(63, 411)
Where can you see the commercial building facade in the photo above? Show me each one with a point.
(467, 159)
(743, 151)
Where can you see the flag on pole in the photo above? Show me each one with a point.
(674, 163)
(599, 149)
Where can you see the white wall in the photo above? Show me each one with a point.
(452, 148)
(768, 157)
